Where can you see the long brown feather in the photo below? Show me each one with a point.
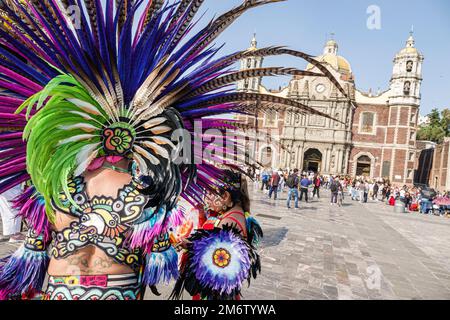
(152, 7)
(250, 99)
(274, 51)
(91, 10)
(225, 20)
(126, 4)
(250, 73)
(193, 9)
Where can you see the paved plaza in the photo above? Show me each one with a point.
(358, 251)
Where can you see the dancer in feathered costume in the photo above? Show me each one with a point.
(222, 252)
(91, 94)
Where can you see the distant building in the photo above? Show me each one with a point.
(424, 162)
(376, 139)
(440, 171)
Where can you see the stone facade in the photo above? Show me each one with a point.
(376, 135)
(439, 178)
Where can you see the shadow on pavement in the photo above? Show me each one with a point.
(273, 237)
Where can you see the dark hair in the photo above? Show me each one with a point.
(164, 185)
(236, 185)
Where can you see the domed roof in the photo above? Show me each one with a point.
(410, 47)
(331, 57)
(338, 63)
(254, 43)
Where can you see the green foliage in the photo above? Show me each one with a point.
(438, 127)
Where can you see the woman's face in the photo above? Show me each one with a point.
(216, 201)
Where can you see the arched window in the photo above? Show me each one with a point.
(367, 122)
(409, 65)
(267, 156)
(271, 118)
(246, 83)
(407, 88)
(249, 63)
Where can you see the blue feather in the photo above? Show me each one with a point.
(23, 273)
(161, 267)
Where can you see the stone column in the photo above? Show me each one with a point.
(324, 160)
(301, 154)
(327, 162)
(346, 160)
(339, 161)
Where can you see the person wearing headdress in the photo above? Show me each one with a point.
(227, 233)
(99, 100)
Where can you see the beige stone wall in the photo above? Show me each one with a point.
(439, 178)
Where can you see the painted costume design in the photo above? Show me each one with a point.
(114, 82)
(103, 222)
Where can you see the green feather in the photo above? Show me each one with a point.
(49, 163)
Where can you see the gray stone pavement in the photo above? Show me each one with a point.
(358, 251)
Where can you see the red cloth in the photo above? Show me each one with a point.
(392, 201)
(275, 179)
(201, 218)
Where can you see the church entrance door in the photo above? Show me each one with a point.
(363, 166)
(312, 160)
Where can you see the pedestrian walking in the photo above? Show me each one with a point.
(292, 183)
(376, 188)
(334, 188)
(265, 177)
(304, 184)
(340, 196)
(316, 182)
(274, 183)
(366, 191)
(361, 190)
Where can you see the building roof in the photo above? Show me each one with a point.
(331, 58)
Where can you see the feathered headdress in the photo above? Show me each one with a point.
(85, 79)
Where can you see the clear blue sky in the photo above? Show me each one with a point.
(303, 25)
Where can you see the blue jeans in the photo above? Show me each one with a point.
(292, 191)
(273, 189)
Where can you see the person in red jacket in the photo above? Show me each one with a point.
(274, 182)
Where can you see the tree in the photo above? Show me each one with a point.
(438, 127)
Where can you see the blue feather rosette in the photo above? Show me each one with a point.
(216, 264)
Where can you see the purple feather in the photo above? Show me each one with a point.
(23, 273)
(31, 207)
(161, 267)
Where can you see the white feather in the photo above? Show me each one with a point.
(147, 155)
(77, 138)
(162, 140)
(154, 122)
(85, 156)
(160, 129)
(82, 114)
(157, 149)
(83, 126)
(86, 106)
(141, 164)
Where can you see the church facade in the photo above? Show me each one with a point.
(377, 136)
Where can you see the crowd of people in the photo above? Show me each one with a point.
(307, 185)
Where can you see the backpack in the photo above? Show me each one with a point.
(291, 181)
(317, 184)
(334, 187)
